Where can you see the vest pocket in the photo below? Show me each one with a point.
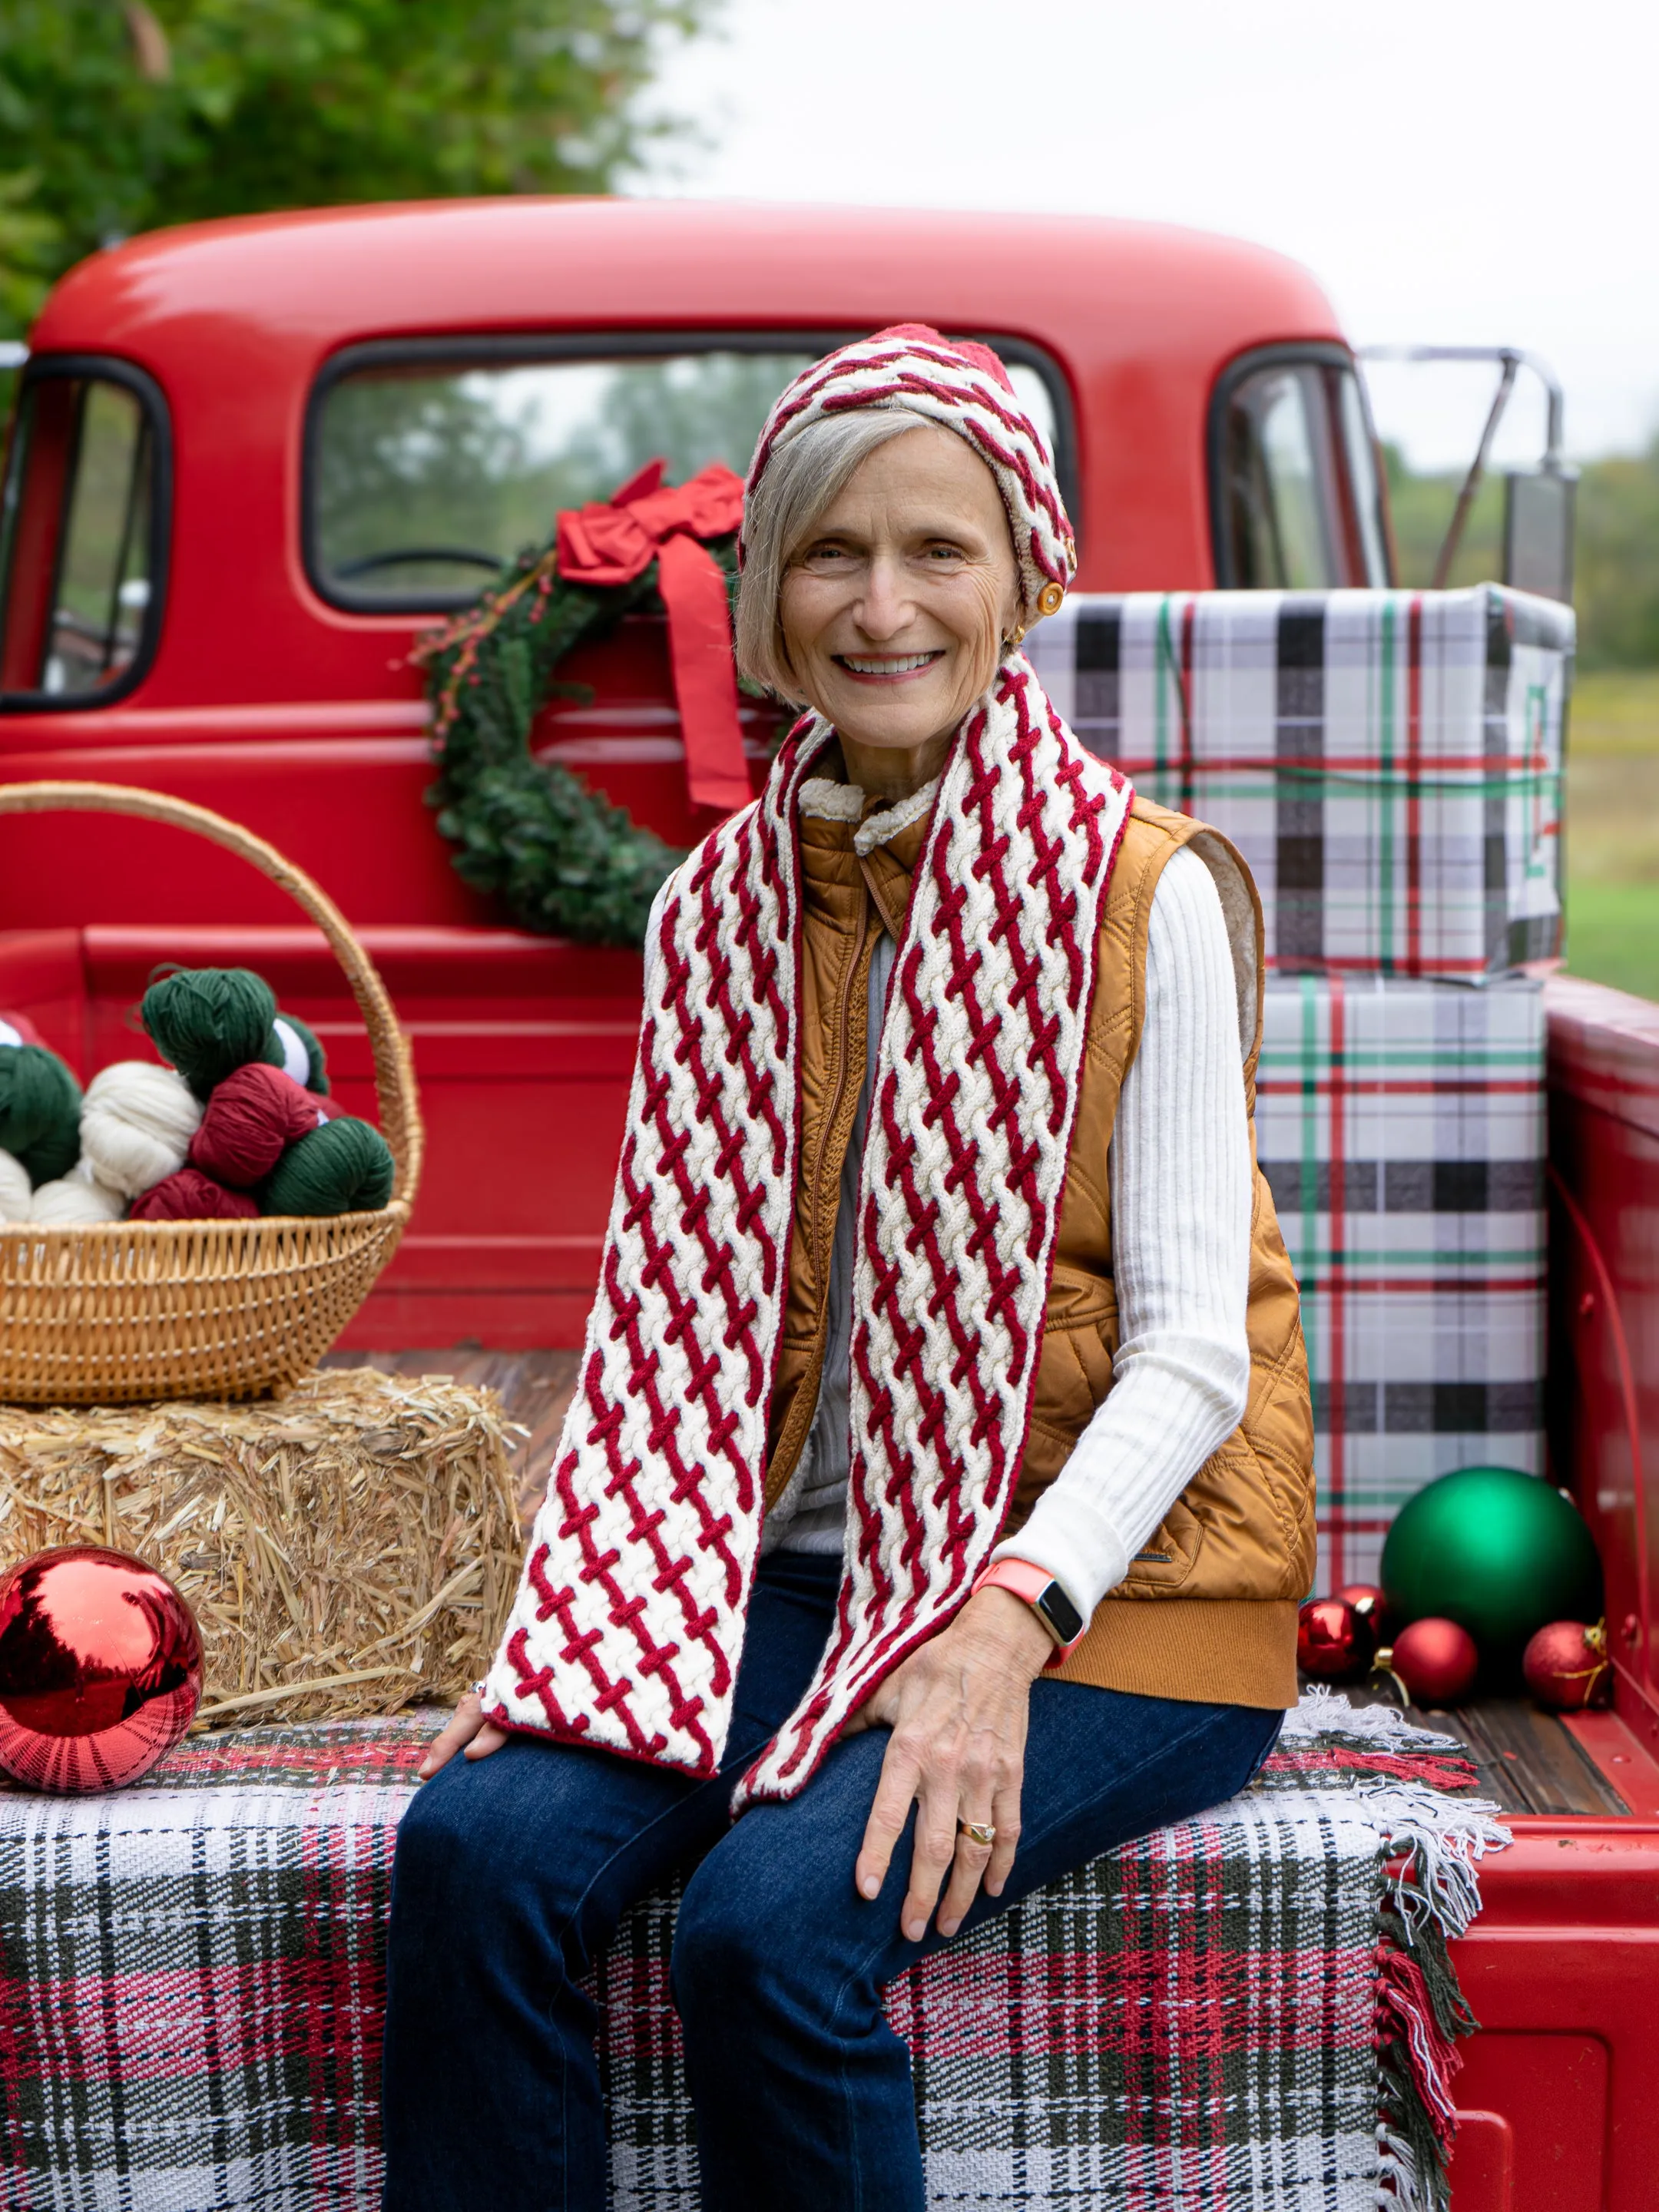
(1169, 1555)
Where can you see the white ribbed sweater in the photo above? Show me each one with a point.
(1180, 1172)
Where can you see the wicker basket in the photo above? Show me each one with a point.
(201, 1309)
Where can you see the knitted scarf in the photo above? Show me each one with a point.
(628, 1621)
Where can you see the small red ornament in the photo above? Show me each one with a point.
(100, 1668)
(1435, 1660)
(1566, 1666)
(1332, 1641)
(1369, 1603)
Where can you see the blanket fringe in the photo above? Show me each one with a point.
(1431, 1844)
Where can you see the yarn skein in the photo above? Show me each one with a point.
(302, 1054)
(18, 1028)
(190, 1196)
(14, 1189)
(40, 1111)
(136, 1124)
(344, 1167)
(76, 1200)
(207, 1022)
(252, 1119)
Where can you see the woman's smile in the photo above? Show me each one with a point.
(893, 668)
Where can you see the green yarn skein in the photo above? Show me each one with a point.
(40, 1111)
(208, 1022)
(344, 1167)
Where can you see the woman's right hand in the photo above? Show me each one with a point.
(469, 1732)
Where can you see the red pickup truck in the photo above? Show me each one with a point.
(252, 461)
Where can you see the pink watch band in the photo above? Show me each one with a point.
(1021, 1580)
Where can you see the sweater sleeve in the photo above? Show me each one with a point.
(1179, 1176)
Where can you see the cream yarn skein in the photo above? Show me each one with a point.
(136, 1121)
(76, 1200)
(16, 1204)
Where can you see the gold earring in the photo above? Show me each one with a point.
(1015, 637)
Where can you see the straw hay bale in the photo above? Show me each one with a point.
(356, 1537)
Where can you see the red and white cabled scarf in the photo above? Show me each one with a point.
(629, 1622)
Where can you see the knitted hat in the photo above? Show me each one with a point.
(965, 387)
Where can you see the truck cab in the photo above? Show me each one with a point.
(253, 462)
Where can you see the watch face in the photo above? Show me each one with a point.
(1063, 1616)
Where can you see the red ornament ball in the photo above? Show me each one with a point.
(1436, 1661)
(1567, 1668)
(1332, 1641)
(1369, 1603)
(100, 1668)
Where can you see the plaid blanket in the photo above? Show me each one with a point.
(1253, 2006)
(1401, 1125)
(1389, 762)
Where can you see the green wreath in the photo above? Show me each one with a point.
(566, 861)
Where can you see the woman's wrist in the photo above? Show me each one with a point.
(1010, 1623)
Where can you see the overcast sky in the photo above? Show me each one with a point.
(1463, 171)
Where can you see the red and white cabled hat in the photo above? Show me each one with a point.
(965, 387)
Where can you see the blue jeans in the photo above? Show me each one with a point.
(512, 1871)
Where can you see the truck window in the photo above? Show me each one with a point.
(1296, 495)
(79, 537)
(424, 476)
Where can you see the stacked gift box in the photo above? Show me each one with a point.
(1389, 764)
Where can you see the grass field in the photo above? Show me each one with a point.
(1612, 830)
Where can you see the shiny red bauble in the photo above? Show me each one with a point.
(1566, 1667)
(100, 1668)
(1436, 1661)
(1369, 1603)
(1332, 1641)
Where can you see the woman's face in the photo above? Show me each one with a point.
(894, 609)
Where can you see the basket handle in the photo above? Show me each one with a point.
(394, 1070)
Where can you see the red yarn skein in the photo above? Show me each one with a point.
(190, 1196)
(252, 1119)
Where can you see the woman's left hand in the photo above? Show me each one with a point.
(957, 1707)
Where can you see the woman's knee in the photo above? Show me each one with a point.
(462, 1842)
(759, 1927)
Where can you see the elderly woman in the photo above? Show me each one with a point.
(936, 1495)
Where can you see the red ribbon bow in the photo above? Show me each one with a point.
(612, 542)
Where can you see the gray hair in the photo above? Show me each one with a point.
(804, 478)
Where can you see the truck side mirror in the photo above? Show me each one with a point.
(1538, 531)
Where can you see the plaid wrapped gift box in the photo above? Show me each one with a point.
(1401, 1125)
(1253, 2006)
(1389, 762)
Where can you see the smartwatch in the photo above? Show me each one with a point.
(1046, 1598)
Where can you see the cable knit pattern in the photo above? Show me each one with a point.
(628, 1623)
(1179, 1165)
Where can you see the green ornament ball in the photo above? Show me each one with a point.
(1500, 1551)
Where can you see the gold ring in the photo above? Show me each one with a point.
(977, 1831)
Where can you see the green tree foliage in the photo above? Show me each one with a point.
(117, 116)
(1616, 589)
(1617, 580)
